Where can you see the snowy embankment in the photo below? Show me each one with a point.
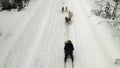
(95, 43)
(108, 32)
(108, 37)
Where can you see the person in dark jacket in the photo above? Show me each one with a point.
(68, 50)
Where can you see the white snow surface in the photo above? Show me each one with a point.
(34, 37)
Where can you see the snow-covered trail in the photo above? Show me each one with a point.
(39, 41)
(41, 35)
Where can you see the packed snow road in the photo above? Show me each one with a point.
(38, 42)
(35, 38)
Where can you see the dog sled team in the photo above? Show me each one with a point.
(69, 17)
(69, 48)
(69, 14)
(64, 9)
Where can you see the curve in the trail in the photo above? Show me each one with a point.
(51, 55)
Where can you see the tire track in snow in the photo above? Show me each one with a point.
(19, 47)
(47, 41)
(9, 44)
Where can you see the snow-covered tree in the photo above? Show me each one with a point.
(107, 8)
(114, 13)
(13, 4)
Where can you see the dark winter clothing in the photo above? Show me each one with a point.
(68, 50)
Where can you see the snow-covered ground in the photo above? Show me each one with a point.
(34, 38)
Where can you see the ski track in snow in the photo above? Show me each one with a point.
(38, 42)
